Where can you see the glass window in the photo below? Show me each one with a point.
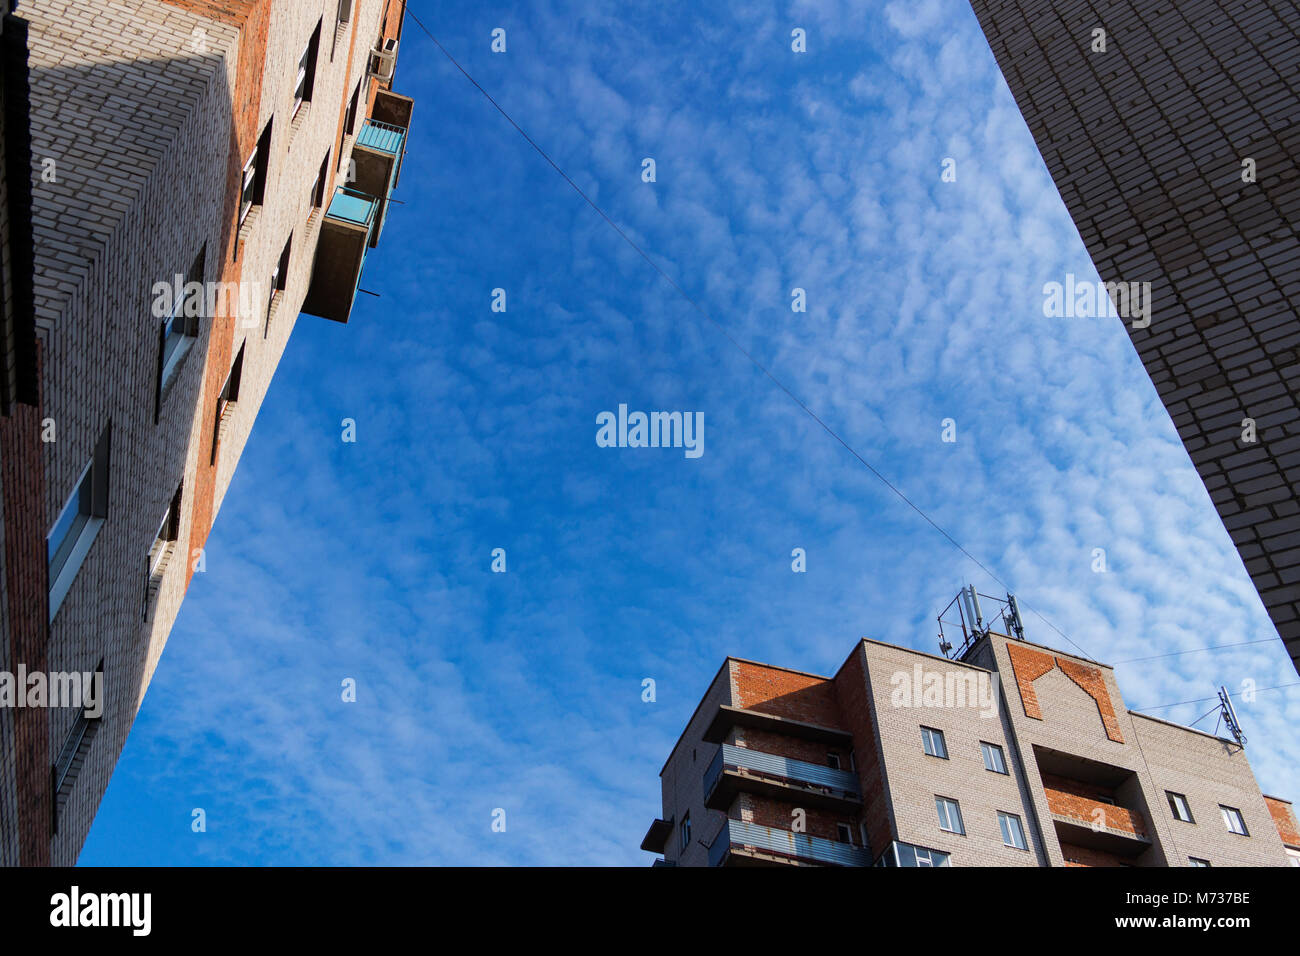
(949, 815)
(1197, 861)
(994, 759)
(686, 830)
(1013, 833)
(933, 741)
(1233, 819)
(1178, 806)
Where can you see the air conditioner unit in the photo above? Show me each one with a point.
(383, 60)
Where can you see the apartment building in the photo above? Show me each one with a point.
(182, 178)
(1006, 754)
(1172, 131)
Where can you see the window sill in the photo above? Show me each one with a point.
(62, 583)
(250, 222)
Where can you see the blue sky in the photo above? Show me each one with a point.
(476, 430)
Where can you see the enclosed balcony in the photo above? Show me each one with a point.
(345, 233)
(741, 770)
(748, 844)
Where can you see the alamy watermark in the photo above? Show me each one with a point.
(655, 430)
(956, 688)
(1093, 300)
(74, 689)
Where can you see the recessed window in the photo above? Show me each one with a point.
(685, 831)
(253, 190)
(226, 398)
(994, 759)
(79, 521)
(1233, 820)
(1197, 861)
(1178, 806)
(72, 755)
(322, 181)
(833, 761)
(949, 815)
(279, 279)
(345, 11)
(933, 742)
(160, 553)
(1013, 833)
(305, 80)
(844, 833)
(180, 327)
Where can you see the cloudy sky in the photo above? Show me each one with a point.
(476, 430)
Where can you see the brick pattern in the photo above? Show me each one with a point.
(1081, 856)
(1090, 680)
(1146, 144)
(1284, 819)
(149, 106)
(1072, 799)
(785, 693)
(1029, 665)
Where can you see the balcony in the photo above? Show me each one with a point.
(741, 770)
(378, 151)
(345, 233)
(748, 844)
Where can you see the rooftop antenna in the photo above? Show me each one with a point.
(1229, 714)
(973, 614)
(1017, 624)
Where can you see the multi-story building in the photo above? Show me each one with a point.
(1172, 131)
(181, 178)
(1008, 754)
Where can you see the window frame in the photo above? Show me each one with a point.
(929, 734)
(1170, 797)
(1005, 822)
(942, 810)
(1231, 813)
(684, 832)
(89, 498)
(985, 749)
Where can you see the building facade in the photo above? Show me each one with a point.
(189, 175)
(1172, 131)
(1010, 755)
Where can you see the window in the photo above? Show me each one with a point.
(350, 122)
(78, 523)
(253, 190)
(949, 815)
(345, 11)
(1178, 806)
(1197, 861)
(1232, 818)
(72, 755)
(833, 761)
(844, 833)
(279, 279)
(305, 81)
(179, 329)
(904, 854)
(685, 830)
(1013, 834)
(994, 759)
(228, 396)
(933, 741)
(322, 181)
(160, 552)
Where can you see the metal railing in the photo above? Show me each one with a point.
(799, 846)
(384, 137)
(780, 769)
(352, 205)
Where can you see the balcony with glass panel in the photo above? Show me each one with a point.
(739, 843)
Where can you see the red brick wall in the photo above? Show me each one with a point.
(1028, 665)
(809, 751)
(1072, 798)
(1082, 856)
(851, 691)
(1285, 821)
(796, 696)
(777, 814)
(26, 565)
(254, 19)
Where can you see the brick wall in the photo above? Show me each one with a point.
(1146, 143)
(1284, 819)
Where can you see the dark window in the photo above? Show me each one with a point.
(305, 81)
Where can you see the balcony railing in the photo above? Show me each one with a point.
(377, 156)
(384, 137)
(352, 206)
(739, 768)
(758, 842)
